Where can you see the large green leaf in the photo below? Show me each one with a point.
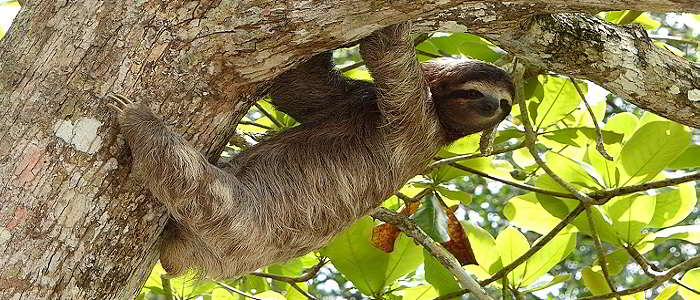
(455, 196)
(465, 145)
(370, 269)
(581, 136)
(652, 147)
(630, 214)
(560, 99)
(431, 217)
(692, 280)
(438, 276)
(575, 172)
(595, 282)
(520, 209)
(549, 256)
(690, 158)
(421, 292)
(446, 173)
(512, 244)
(673, 205)
(462, 44)
(617, 260)
(483, 244)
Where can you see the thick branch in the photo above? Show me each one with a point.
(621, 59)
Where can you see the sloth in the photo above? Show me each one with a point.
(357, 144)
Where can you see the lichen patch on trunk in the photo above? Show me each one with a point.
(82, 135)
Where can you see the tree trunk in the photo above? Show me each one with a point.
(73, 223)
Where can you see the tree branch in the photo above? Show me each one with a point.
(621, 59)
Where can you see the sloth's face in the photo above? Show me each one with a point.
(473, 106)
(469, 95)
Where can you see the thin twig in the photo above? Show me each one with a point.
(350, 67)
(684, 266)
(443, 161)
(512, 183)
(410, 228)
(416, 198)
(602, 261)
(311, 273)
(598, 133)
(607, 194)
(268, 115)
(231, 289)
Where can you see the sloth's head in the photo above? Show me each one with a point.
(469, 95)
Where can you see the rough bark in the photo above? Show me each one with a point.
(73, 224)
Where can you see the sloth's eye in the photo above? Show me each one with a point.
(466, 94)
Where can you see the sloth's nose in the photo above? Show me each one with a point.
(505, 106)
(488, 106)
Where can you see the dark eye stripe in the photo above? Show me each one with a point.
(465, 94)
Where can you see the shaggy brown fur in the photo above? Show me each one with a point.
(357, 144)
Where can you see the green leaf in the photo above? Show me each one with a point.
(270, 295)
(370, 269)
(674, 205)
(630, 214)
(647, 22)
(617, 260)
(560, 99)
(359, 74)
(555, 280)
(549, 256)
(421, 292)
(581, 136)
(446, 173)
(602, 224)
(520, 209)
(623, 123)
(629, 16)
(667, 293)
(595, 282)
(523, 158)
(455, 195)
(462, 44)
(650, 150)
(483, 244)
(465, 145)
(690, 233)
(575, 172)
(438, 276)
(293, 294)
(512, 244)
(691, 279)
(431, 217)
(688, 159)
